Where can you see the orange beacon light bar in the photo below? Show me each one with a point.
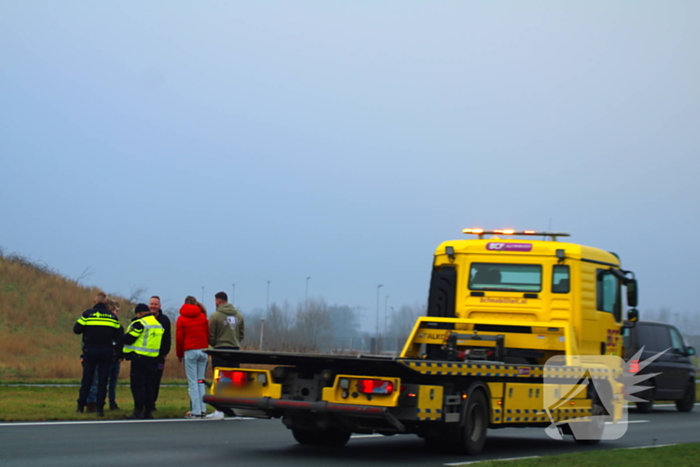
(482, 232)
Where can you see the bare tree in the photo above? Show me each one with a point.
(136, 292)
(402, 321)
(346, 324)
(87, 272)
(314, 325)
(278, 324)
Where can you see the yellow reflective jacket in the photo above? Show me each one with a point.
(148, 334)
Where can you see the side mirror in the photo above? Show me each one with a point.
(690, 351)
(631, 285)
(632, 315)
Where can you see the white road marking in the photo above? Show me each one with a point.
(536, 457)
(653, 446)
(491, 460)
(366, 436)
(106, 422)
(664, 405)
(628, 421)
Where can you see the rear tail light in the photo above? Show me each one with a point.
(633, 366)
(375, 386)
(236, 378)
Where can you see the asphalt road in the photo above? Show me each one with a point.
(250, 442)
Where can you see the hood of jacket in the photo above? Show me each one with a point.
(227, 309)
(190, 311)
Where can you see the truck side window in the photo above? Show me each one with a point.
(677, 344)
(560, 279)
(608, 293)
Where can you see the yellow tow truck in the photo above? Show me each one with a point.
(510, 322)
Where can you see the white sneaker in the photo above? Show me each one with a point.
(216, 415)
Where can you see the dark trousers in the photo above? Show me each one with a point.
(159, 376)
(111, 384)
(144, 378)
(95, 361)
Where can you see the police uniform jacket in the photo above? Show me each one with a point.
(100, 329)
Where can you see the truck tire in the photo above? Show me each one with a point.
(688, 402)
(316, 437)
(472, 433)
(305, 436)
(334, 437)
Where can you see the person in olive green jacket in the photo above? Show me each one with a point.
(226, 331)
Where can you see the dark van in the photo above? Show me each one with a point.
(676, 381)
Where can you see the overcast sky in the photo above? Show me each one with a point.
(179, 145)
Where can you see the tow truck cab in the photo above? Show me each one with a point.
(544, 297)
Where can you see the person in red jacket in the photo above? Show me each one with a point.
(191, 340)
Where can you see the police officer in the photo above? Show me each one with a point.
(100, 329)
(142, 343)
(154, 306)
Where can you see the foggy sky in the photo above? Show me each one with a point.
(180, 145)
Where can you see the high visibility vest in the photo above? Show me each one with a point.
(148, 339)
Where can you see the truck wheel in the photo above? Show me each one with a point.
(306, 436)
(333, 437)
(316, 437)
(476, 419)
(688, 402)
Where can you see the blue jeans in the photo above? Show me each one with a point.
(113, 375)
(195, 366)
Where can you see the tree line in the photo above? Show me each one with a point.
(314, 325)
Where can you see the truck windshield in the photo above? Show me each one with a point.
(511, 277)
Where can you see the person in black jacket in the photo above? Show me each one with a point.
(101, 330)
(154, 306)
(114, 369)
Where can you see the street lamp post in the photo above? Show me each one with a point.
(307, 293)
(386, 306)
(268, 296)
(233, 294)
(377, 327)
(262, 332)
(202, 294)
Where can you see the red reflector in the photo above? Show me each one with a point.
(240, 378)
(237, 378)
(633, 366)
(375, 386)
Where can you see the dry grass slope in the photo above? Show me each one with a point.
(37, 310)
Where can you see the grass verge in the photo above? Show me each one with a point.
(59, 403)
(36, 403)
(682, 455)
